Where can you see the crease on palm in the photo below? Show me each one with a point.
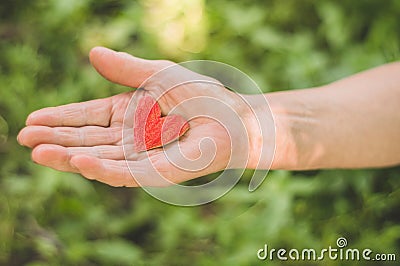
(98, 125)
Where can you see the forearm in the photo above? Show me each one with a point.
(352, 123)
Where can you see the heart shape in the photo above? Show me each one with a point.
(151, 130)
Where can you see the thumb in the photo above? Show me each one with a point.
(123, 68)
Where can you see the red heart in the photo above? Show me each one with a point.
(151, 130)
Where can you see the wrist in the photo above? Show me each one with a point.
(287, 151)
(297, 119)
(281, 130)
(260, 126)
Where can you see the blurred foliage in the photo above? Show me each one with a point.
(53, 218)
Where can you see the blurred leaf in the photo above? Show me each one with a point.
(54, 218)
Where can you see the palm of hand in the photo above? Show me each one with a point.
(88, 137)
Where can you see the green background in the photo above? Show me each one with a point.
(53, 218)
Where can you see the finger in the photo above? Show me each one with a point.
(123, 68)
(95, 112)
(119, 173)
(32, 136)
(112, 172)
(58, 157)
(54, 156)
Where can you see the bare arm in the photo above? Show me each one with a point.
(351, 123)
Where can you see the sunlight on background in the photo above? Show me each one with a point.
(178, 26)
(113, 33)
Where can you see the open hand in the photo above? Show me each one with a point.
(87, 137)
